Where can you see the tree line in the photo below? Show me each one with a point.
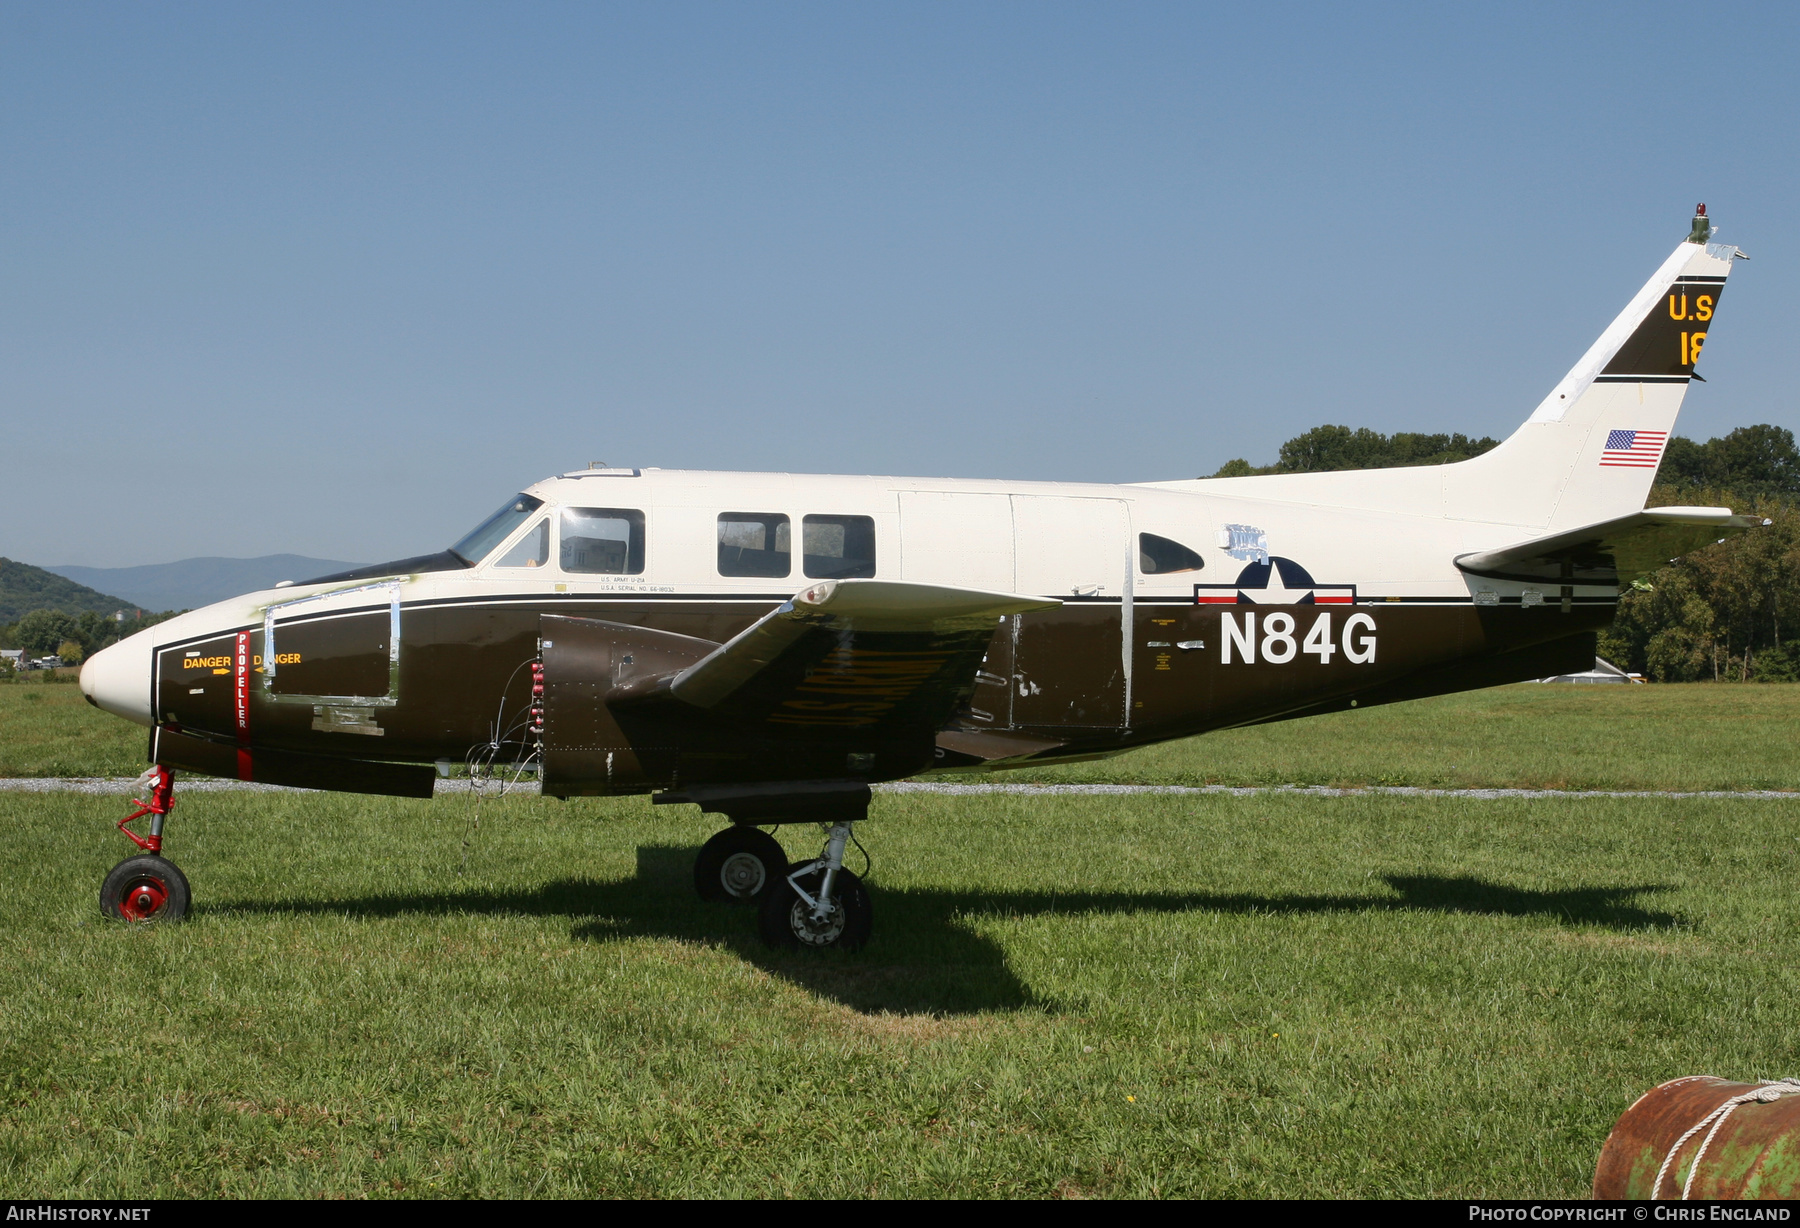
(72, 637)
(1338, 447)
(1730, 612)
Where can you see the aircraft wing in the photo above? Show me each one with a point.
(1612, 551)
(849, 655)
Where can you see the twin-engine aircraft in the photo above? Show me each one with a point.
(766, 646)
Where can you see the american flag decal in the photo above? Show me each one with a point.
(1634, 449)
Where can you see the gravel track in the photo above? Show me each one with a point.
(122, 786)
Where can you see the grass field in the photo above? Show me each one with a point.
(1689, 736)
(1065, 996)
(1274, 995)
(48, 729)
(1695, 736)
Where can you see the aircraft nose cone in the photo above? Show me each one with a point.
(117, 679)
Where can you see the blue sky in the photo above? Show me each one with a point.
(336, 279)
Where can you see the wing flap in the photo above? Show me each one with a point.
(1611, 552)
(993, 745)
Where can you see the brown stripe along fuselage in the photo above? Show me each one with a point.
(1047, 685)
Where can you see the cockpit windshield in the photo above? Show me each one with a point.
(495, 529)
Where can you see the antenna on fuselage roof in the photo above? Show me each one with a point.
(604, 465)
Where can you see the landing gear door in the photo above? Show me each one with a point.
(341, 647)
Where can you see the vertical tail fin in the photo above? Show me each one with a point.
(1591, 449)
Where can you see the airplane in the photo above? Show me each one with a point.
(767, 646)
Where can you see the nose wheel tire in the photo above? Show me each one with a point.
(787, 921)
(146, 888)
(739, 865)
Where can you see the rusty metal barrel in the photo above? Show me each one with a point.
(1736, 1140)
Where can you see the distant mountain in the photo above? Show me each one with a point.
(24, 588)
(192, 583)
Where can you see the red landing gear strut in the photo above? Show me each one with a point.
(147, 887)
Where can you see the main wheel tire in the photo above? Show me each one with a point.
(787, 920)
(740, 865)
(146, 888)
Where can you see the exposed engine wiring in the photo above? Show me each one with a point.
(500, 712)
(489, 763)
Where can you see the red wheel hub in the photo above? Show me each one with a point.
(144, 897)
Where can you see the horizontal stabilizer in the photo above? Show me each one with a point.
(854, 654)
(1613, 551)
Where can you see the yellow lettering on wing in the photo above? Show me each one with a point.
(858, 686)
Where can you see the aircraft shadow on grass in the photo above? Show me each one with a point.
(925, 958)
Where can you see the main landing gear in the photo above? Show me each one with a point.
(819, 906)
(739, 866)
(147, 887)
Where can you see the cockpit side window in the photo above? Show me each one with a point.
(606, 541)
(495, 529)
(755, 544)
(838, 547)
(1159, 556)
(532, 550)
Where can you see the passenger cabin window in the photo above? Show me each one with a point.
(532, 550)
(606, 541)
(1158, 556)
(755, 544)
(838, 547)
(495, 529)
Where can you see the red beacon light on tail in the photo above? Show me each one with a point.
(1702, 230)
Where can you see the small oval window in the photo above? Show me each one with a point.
(1159, 556)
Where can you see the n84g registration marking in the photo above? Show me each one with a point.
(1280, 642)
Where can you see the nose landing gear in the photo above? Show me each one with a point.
(147, 887)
